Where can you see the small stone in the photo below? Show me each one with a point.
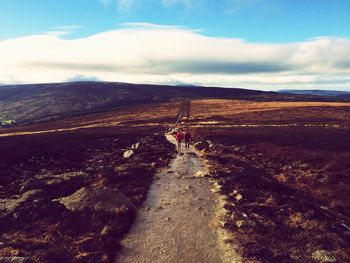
(135, 146)
(105, 230)
(188, 187)
(239, 197)
(200, 174)
(236, 149)
(90, 169)
(245, 223)
(128, 154)
(167, 218)
(323, 256)
(294, 257)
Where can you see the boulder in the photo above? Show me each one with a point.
(98, 200)
(14, 260)
(8, 206)
(128, 154)
(323, 256)
(32, 184)
(51, 182)
(64, 176)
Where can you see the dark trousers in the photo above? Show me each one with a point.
(187, 143)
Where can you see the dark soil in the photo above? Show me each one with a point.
(41, 228)
(289, 185)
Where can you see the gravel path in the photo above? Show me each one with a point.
(173, 224)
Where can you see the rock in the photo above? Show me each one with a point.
(135, 146)
(245, 223)
(49, 181)
(32, 184)
(200, 174)
(98, 200)
(128, 154)
(323, 256)
(216, 188)
(44, 171)
(239, 197)
(90, 169)
(236, 149)
(9, 206)
(88, 243)
(167, 219)
(14, 260)
(201, 145)
(294, 257)
(106, 230)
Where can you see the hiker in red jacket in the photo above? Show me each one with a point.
(179, 138)
(187, 138)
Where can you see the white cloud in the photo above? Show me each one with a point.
(168, 54)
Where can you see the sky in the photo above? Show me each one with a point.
(257, 44)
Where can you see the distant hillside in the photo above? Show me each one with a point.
(329, 93)
(24, 104)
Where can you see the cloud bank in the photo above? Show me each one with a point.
(145, 53)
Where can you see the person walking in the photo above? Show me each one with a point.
(179, 138)
(187, 139)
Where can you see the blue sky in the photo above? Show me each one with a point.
(260, 44)
(252, 20)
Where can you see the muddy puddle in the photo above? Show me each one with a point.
(173, 224)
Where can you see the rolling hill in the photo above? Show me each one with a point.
(25, 104)
(329, 93)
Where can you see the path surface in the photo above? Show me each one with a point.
(173, 224)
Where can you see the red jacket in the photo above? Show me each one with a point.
(179, 136)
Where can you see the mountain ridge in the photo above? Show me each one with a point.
(31, 103)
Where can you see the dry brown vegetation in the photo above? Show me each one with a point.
(286, 188)
(259, 113)
(285, 178)
(38, 170)
(157, 114)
